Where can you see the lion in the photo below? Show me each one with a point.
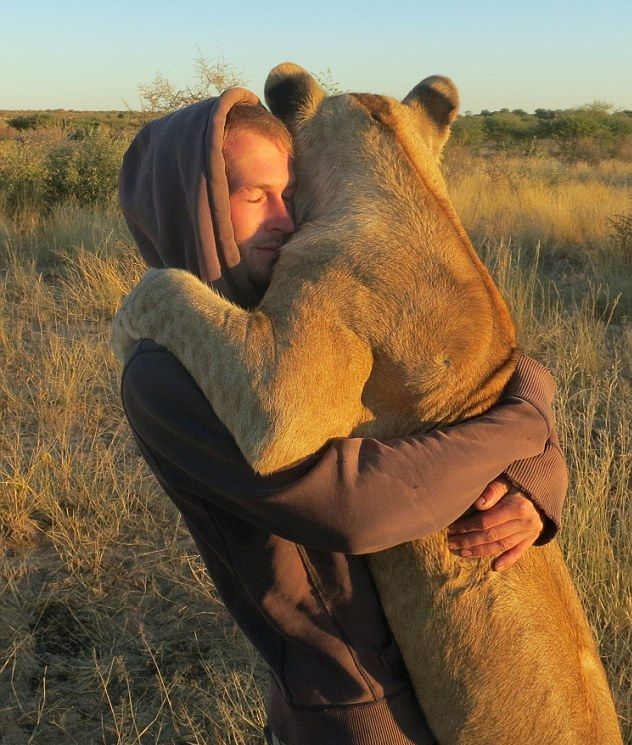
(380, 321)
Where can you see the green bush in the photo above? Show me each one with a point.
(28, 121)
(84, 170)
(506, 129)
(22, 175)
(468, 130)
(40, 174)
(588, 133)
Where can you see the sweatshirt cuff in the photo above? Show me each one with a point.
(544, 480)
(532, 382)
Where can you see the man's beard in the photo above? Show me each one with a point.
(260, 271)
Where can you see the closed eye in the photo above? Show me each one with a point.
(253, 194)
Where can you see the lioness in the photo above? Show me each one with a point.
(380, 327)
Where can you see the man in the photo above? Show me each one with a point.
(209, 189)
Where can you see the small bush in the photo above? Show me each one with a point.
(84, 170)
(28, 121)
(22, 174)
(622, 235)
(39, 174)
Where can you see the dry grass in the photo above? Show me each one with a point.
(536, 199)
(111, 631)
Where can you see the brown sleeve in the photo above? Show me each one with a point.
(355, 496)
(544, 477)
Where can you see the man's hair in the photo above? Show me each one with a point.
(246, 117)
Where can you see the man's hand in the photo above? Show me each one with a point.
(507, 524)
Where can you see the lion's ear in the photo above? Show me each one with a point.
(292, 93)
(438, 98)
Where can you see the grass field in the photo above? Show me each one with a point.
(110, 630)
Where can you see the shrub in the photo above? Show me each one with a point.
(506, 129)
(468, 130)
(41, 173)
(28, 121)
(161, 96)
(622, 235)
(22, 175)
(581, 134)
(84, 170)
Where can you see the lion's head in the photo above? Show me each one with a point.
(343, 140)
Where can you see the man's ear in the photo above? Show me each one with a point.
(292, 93)
(438, 98)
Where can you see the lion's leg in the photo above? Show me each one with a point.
(496, 658)
(283, 386)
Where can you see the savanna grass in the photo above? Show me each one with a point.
(111, 630)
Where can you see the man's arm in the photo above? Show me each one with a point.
(521, 508)
(354, 496)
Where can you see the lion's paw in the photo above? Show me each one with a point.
(132, 320)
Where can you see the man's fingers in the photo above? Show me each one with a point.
(507, 528)
(492, 493)
(502, 545)
(509, 558)
(514, 506)
(483, 520)
(478, 537)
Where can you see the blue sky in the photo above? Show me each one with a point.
(93, 55)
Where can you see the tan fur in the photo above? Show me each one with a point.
(380, 320)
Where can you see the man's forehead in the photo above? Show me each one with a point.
(256, 160)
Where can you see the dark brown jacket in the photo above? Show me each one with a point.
(285, 551)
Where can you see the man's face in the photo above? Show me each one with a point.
(260, 183)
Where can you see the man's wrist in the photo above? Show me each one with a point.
(544, 480)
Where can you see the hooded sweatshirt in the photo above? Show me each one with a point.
(286, 551)
(174, 193)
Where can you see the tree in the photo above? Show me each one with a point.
(506, 129)
(28, 121)
(580, 133)
(546, 113)
(468, 130)
(211, 78)
(325, 78)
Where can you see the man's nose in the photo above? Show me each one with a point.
(280, 217)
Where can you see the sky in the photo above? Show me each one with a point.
(541, 54)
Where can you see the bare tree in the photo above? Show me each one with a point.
(326, 81)
(161, 96)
